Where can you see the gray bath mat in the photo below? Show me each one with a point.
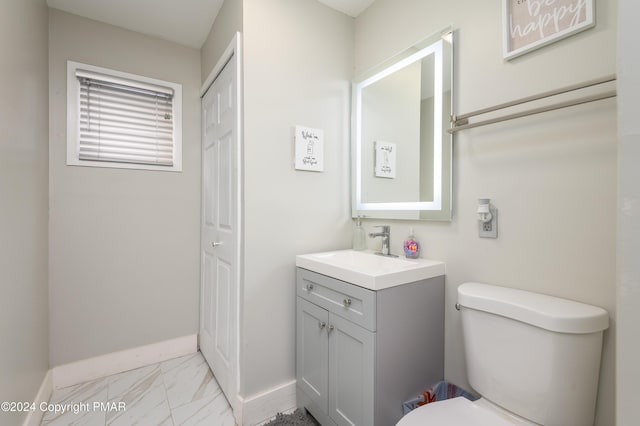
(297, 418)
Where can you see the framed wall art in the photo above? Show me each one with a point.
(309, 149)
(385, 166)
(531, 24)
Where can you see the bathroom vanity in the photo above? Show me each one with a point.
(369, 335)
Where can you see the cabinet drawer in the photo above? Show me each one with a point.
(349, 301)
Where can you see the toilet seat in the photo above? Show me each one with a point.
(460, 412)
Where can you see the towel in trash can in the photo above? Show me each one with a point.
(438, 392)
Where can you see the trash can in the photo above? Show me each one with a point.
(438, 392)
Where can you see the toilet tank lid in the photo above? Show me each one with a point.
(548, 312)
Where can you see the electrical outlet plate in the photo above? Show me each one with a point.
(489, 229)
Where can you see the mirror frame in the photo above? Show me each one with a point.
(404, 210)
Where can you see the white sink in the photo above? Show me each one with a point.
(369, 270)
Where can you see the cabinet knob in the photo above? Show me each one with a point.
(322, 325)
(309, 287)
(346, 302)
(331, 327)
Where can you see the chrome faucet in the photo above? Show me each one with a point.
(385, 233)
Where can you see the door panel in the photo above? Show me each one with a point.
(312, 361)
(224, 167)
(351, 372)
(222, 311)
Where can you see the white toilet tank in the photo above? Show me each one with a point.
(535, 355)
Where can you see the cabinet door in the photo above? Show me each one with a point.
(312, 362)
(351, 369)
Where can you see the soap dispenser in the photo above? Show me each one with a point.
(411, 246)
(359, 236)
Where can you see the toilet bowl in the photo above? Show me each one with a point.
(462, 412)
(534, 359)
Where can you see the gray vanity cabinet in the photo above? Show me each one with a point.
(361, 353)
(335, 364)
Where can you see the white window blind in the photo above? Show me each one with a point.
(124, 121)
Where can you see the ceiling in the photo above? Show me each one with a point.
(186, 22)
(352, 8)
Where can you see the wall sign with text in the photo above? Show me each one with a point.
(530, 24)
(309, 149)
(385, 165)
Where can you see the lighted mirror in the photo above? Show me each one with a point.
(401, 149)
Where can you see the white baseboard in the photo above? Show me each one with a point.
(118, 362)
(262, 407)
(34, 418)
(254, 410)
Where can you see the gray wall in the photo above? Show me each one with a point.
(552, 176)
(628, 349)
(124, 244)
(225, 26)
(24, 194)
(297, 68)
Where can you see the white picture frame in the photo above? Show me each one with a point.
(530, 24)
(309, 149)
(385, 164)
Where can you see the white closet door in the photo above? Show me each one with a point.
(219, 239)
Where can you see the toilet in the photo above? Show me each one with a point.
(534, 359)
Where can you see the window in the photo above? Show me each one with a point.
(116, 119)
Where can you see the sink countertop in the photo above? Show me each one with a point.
(369, 270)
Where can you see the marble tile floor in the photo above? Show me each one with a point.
(177, 392)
